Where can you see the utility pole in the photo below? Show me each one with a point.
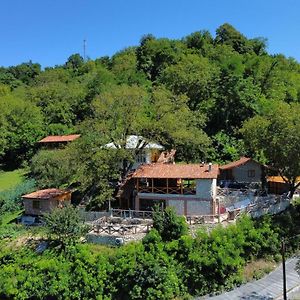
(84, 49)
(283, 268)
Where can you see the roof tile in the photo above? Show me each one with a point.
(59, 138)
(45, 194)
(186, 171)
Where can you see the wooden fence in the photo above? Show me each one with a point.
(205, 219)
(138, 214)
(121, 229)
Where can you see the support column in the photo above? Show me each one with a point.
(167, 185)
(137, 203)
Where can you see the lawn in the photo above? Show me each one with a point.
(9, 180)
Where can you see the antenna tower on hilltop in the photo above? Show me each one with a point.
(84, 49)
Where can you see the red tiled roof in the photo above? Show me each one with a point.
(59, 138)
(186, 171)
(237, 163)
(45, 194)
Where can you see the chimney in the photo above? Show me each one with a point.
(209, 167)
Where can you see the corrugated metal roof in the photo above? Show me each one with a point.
(46, 194)
(279, 179)
(59, 138)
(135, 140)
(185, 171)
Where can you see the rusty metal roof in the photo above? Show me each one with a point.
(279, 179)
(59, 138)
(185, 171)
(46, 194)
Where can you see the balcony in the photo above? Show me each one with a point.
(177, 190)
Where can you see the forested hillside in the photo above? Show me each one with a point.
(191, 94)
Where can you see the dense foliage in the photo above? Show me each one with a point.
(192, 94)
(64, 225)
(168, 224)
(151, 269)
(10, 200)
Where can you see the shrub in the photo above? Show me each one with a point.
(168, 224)
(65, 225)
(140, 274)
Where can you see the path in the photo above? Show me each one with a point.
(267, 288)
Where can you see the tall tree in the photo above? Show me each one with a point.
(276, 136)
(21, 127)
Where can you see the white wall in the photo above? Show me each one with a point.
(178, 205)
(147, 155)
(197, 208)
(206, 188)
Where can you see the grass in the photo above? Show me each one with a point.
(257, 269)
(8, 180)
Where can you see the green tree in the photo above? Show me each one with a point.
(124, 67)
(153, 55)
(275, 136)
(168, 224)
(165, 112)
(25, 72)
(64, 225)
(194, 76)
(21, 127)
(227, 34)
(74, 62)
(53, 168)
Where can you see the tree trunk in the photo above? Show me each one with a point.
(292, 190)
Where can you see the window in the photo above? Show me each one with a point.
(141, 157)
(36, 204)
(251, 173)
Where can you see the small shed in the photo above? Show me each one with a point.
(243, 170)
(276, 185)
(43, 201)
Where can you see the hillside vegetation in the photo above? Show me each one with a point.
(192, 94)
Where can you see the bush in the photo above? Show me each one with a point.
(168, 224)
(140, 274)
(65, 225)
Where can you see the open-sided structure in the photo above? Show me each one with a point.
(190, 188)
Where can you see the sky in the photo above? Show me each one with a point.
(49, 31)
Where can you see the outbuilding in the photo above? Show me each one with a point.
(44, 201)
(245, 170)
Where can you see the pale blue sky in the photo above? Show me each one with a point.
(49, 31)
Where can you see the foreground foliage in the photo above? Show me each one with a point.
(64, 225)
(151, 269)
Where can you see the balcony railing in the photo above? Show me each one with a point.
(168, 190)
